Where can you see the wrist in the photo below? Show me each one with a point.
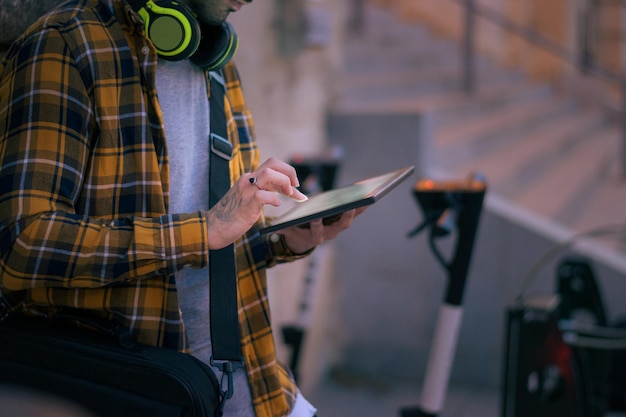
(280, 251)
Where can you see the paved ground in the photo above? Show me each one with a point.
(347, 396)
(350, 397)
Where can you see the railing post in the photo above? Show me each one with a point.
(357, 16)
(622, 162)
(468, 49)
(584, 37)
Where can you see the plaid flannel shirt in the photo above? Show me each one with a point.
(84, 180)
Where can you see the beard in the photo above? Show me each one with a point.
(210, 12)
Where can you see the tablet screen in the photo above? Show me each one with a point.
(336, 201)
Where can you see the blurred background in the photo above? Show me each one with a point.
(528, 93)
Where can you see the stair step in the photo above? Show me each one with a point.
(455, 105)
(573, 175)
(518, 165)
(556, 147)
(463, 141)
(397, 74)
(489, 98)
(544, 152)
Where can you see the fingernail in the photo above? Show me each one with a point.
(298, 196)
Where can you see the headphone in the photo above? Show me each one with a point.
(176, 34)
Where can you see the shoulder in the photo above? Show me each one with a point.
(72, 13)
(74, 21)
(232, 80)
(234, 88)
(84, 32)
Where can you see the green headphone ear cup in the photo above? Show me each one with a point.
(172, 28)
(219, 44)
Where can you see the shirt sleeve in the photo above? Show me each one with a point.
(47, 126)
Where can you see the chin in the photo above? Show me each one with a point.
(213, 19)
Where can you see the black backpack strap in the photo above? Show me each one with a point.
(223, 280)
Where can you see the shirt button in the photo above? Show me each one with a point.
(145, 50)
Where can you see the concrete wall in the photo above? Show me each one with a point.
(16, 15)
(288, 94)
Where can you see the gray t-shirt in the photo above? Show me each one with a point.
(182, 91)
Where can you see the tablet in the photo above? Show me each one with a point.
(334, 202)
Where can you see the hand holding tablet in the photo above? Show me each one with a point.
(331, 204)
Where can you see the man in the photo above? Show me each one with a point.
(94, 124)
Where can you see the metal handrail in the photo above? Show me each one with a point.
(581, 61)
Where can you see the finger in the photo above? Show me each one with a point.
(317, 231)
(282, 167)
(271, 180)
(349, 216)
(342, 221)
(267, 198)
(252, 190)
(331, 231)
(359, 210)
(288, 170)
(296, 195)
